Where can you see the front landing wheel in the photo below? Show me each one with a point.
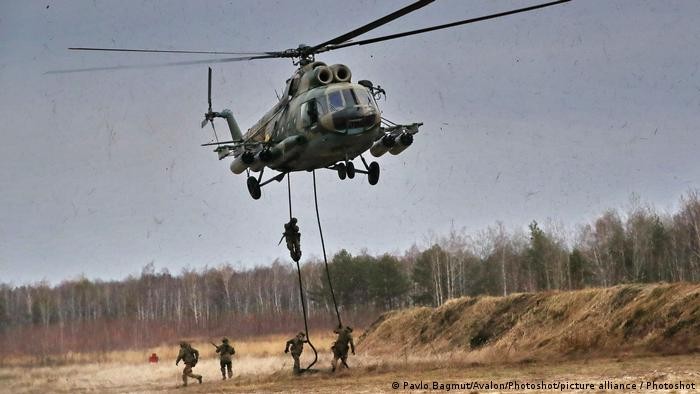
(342, 170)
(373, 173)
(254, 187)
(351, 169)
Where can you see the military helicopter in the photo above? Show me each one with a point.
(322, 119)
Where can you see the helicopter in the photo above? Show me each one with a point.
(323, 120)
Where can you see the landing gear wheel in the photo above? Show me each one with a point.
(373, 173)
(350, 169)
(342, 171)
(254, 187)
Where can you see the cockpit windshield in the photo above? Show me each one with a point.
(350, 107)
(364, 96)
(337, 100)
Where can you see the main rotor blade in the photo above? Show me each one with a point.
(168, 51)
(373, 25)
(445, 26)
(186, 63)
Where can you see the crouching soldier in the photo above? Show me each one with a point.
(226, 353)
(296, 345)
(189, 356)
(341, 346)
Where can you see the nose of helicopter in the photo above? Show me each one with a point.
(356, 119)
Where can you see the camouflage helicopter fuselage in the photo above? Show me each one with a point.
(322, 119)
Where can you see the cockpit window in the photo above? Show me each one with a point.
(335, 101)
(364, 97)
(349, 96)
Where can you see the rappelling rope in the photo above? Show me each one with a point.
(325, 259)
(301, 287)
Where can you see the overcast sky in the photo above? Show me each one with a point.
(557, 114)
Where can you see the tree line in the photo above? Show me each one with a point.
(638, 245)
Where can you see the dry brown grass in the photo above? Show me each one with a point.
(369, 374)
(257, 347)
(129, 371)
(625, 319)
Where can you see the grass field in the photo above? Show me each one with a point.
(627, 338)
(260, 366)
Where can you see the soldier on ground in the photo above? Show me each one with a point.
(293, 237)
(226, 353)
(296, 345)
(189, 356)
(341, 346)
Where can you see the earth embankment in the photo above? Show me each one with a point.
(625, 319)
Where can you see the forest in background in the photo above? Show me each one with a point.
(637, 245)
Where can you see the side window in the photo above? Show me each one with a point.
(308, 114)
(304, 116)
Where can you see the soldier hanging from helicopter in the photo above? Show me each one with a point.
(293, 237)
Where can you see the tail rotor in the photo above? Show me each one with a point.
(210, 115)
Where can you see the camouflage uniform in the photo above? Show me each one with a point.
(293, 237)
(341, 346)
(226, 351)
(296, 345)
(189, 356)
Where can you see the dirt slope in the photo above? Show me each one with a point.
(625, 319)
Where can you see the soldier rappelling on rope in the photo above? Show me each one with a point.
(293, 237)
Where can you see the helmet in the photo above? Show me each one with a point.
(301, 334)
(224, 340)
(183, 344)
(348, 328)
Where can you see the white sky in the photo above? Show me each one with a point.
(557, 114)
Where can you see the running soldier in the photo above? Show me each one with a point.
(341, 346)
(226, 353)
(189, 356)
(296, 345)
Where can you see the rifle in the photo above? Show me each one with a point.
(215, 345)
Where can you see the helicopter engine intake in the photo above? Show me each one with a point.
(341, 73)
(318, 76)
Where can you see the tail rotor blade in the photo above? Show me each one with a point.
(209, 94)
(214, 128)
(208, 117)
